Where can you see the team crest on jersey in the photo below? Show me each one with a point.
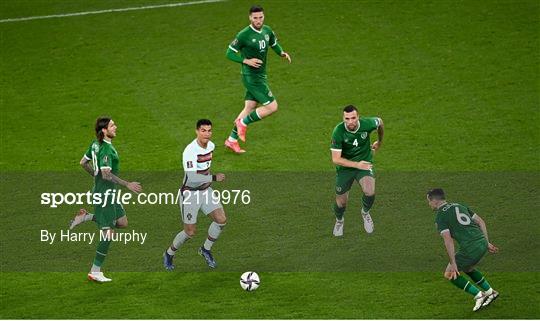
(364, 135)
(267, 37)
(105, 158)
(253, 40)
(346, 140)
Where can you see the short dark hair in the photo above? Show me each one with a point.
(101, 122)
(255, 8)
(436, 194)
(349, 108)
(202, 122)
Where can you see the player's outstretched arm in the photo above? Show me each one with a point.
(380, 134)
(87, 165)
(452, 271)
(280, 52)
(109, 176)
(491, 248)
(338, 160)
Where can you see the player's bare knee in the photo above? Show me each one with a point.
(341, 200)
(122, 223)
(190, 231)
(273, 107)
(222, 220)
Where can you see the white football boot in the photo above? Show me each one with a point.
(338, 227)
(479, 300)
(491, 297)
(98, 277)
(78, 219)
(368, 222)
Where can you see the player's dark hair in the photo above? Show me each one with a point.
(256, 8)
(101, 122)
(436, 194)
(202, 122)
(349, 109)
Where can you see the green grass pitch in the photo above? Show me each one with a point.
(456, 83)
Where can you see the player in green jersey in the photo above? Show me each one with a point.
(457, 222)
(101, 161)
(250, 48)
(352, 153)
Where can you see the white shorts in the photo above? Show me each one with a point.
(192, 201)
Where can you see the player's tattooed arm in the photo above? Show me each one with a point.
(87, 166)
(380, 134)
(109, 176)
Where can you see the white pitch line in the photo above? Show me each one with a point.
(178, 4)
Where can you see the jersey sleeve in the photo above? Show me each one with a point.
(442, 224)
(374, 123)
(337, 140)
(274, 43)
(237, 44)
(88, 153)
(189, 160)
(105, 158)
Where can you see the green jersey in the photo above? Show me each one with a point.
(458, 219)
(103, 156)
(253, 43)
(355, 145)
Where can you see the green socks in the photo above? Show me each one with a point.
(339, 211)
(479, 279)
(251, 118)
(465, 285)
(367, 202)
(101, 252)
(234, 133)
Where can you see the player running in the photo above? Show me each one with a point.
(102, 162)
(196, 194)
(352, 154)
(250, 48)
(457, 222)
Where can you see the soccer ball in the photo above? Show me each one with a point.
(249, 281)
